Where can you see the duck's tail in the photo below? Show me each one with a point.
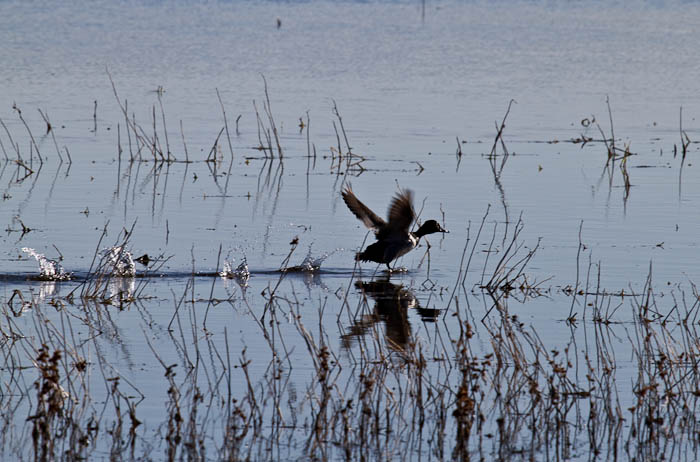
(365, 255)
(374, 252)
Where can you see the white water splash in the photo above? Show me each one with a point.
(121, 260)
(241, 272)
(311, 264)
(49, 270)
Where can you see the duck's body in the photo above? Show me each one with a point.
(394, 239)
(389, 249)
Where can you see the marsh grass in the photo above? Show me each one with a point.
(454, 388)
(349, 374)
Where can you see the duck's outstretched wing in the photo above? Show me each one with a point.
(401, 214)
(361, 211)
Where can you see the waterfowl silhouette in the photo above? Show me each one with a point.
(393, 236)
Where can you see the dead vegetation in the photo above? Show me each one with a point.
(352, 374)
(445, 387)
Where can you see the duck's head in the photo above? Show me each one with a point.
(430, 227)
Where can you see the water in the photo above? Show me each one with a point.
(411, 86)
(49, 270)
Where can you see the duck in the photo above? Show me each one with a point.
(394, 239)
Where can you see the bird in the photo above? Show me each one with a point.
(393, 236)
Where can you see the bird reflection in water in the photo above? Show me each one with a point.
(391, 305)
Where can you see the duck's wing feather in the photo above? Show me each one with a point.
(401, 214)
(361, 211)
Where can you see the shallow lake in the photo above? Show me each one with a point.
(556, 141)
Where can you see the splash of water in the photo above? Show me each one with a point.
(121, 260)
(49, 270)
(311, 264)
(241, 272)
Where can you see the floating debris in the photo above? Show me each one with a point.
(143, 259)
(49, 270)
(120, 260)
